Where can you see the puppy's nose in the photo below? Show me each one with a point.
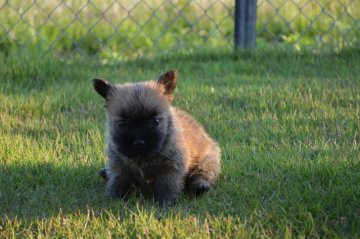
(139, 143)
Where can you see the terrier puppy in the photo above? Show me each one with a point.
(153, 146)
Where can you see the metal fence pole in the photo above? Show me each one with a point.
(245, 24)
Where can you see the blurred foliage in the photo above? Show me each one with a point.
(124, 29)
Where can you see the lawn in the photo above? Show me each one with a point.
(288, 125)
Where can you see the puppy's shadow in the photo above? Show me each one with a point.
(38, 190)
(43, 189)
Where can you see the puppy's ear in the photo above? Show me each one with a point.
(102, 87)
(168, 81)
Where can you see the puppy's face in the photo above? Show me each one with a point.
(139, 114)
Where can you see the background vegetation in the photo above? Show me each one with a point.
(123, 29)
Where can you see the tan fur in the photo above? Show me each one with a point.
(202, 154)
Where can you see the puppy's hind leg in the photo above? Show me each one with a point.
(205, 173)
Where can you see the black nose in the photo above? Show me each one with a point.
(139, 143)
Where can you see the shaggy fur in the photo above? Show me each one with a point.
(151, 145)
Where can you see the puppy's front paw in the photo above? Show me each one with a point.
(165, 201)
(117, 193)
(119, 186)
(167, 188)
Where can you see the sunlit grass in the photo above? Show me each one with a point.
(288, 126)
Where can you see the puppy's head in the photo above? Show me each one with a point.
(139, 114)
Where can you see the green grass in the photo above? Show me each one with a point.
(129, 29)
(288, 126)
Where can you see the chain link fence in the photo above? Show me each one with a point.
(315, 24)
(131, 28)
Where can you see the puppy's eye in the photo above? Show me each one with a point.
(155, 121)
(121, 122)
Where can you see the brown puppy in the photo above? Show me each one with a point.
(153, 146)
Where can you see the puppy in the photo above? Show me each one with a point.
(153, 146)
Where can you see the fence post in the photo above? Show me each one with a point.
(245, 24)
